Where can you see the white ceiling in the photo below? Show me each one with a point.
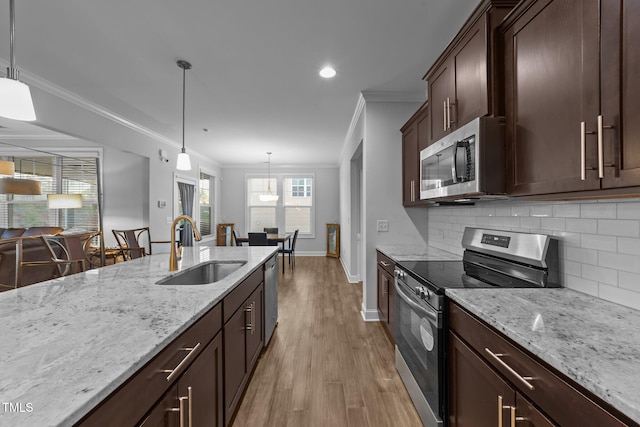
(254, 83)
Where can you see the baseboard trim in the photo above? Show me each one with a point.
(351, 278)
(370, 315)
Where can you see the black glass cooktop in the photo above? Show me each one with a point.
(441, 275)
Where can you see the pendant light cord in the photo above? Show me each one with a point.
(12, 71)
(184, 101)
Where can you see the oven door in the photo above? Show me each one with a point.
(420, 343)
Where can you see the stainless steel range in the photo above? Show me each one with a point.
(492, 259)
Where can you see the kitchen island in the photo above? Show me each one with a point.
(68, 343)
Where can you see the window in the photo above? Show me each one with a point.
(261, 213)
(298, 203)
(205, 186)
(57, 174)
(293, 211)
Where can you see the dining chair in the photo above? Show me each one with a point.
(291, 250)
(235, 238)
(136, 242)
(271, 230)
(258, 239)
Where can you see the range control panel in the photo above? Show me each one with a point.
(495, 240)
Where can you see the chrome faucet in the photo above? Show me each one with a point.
(173, 257)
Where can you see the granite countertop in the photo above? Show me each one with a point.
(400, 252)
(594, 342)
(66, 344)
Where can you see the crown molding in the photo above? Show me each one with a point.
(376, 96)
(85, 104)
(39, 137)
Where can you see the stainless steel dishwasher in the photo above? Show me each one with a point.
(270, 297)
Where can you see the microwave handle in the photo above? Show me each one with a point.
(454, 164)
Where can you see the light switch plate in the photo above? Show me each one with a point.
(383, 225)
(162, 203)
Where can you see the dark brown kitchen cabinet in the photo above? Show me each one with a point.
(492, 379)
(243, 339)
(570, 84)
(192, 359)
(415, 135)
(463, 82)
(196, 398)
(386, 293)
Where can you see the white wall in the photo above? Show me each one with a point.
(233, 202)
(382, 188)
(599, 240)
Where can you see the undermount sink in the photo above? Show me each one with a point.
(202, 274)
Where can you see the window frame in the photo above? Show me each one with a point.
(212, 214)
(280, 206)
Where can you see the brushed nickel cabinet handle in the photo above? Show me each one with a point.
(384, 264)
(601, 127)
(501, 408)
(174, 371)
(249, 309)
(583, 150)
(253, 316)
(444, 115)
(497, 358)
(182, 399)
(448, 113)
(190, 396)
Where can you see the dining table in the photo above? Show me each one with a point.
(279, 238)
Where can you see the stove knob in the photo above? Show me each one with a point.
(427, 294)
(418, 290)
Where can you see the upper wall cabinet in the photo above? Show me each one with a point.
(462, 82)
(571, 96)
(415, 135)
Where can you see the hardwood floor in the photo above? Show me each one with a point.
(325, 366)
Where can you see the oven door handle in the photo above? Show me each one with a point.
(431, 314)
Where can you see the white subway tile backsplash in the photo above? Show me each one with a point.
(598, 210)
(602, 243)
(558, 224)
(583, 285)
(600, 274)
(585, 256)
(629, 281)
(627, 245)
(566, 211)
(629, 210)
(619, 227)
(619, 295)
(630, 263)
(582, 225)
(599, 241)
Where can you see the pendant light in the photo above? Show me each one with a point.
(64, 201)
(184, 162)
(15, 96)
(269, 196)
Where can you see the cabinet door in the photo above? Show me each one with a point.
(391, 296)
(410, 162)
(422, 124)
(202, 385)
(383, 296)
(552, 85)
(525, 411)
(167, 412)
(475, 389)
(234, 360)
(255, 327)
(472, 96)
(620, 88)
(441, 87)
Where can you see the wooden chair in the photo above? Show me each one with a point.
(258, 239)
(291, 250)
(271, 230)
(135, 243)
(69, 254)
(235, 238)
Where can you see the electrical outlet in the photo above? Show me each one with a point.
(383, 225)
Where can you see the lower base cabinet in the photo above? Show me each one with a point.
(196, 399)
(198, 379)
(386, 293)
(493, 382)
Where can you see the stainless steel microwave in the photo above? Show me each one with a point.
(466, 164)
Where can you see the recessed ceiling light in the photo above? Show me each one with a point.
(327, 72)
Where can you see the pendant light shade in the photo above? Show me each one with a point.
(15, 96)
(64, 201)
(27, 187)
(7, 168)
(184, 162)
(269, 196)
